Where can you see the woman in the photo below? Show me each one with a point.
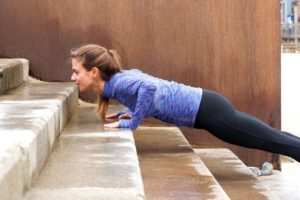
(98, 69)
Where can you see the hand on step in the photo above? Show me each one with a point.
(112, 125)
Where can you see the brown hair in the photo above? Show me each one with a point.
(107, 61)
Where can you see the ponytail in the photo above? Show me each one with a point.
(102, 108)
(116, 58)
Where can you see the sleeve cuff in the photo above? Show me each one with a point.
(121, 112)
(124, 112)
(124, 123)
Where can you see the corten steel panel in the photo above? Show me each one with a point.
(244, 64)
(229, 46)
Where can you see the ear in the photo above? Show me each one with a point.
(95, 72)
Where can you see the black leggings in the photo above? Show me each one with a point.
(218, 116)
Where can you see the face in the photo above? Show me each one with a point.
(84, 79)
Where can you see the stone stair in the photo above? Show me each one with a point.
(13, 73)
(234, 176)
(89, 162)
(285, 183)
(171, 169)
(31, 118)
(53, 146)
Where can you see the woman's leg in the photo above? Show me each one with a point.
(217, 115)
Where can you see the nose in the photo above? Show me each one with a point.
(73, 77)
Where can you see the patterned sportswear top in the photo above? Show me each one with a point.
(147, 96)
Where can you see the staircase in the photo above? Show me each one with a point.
(53, 146)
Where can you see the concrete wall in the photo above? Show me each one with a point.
(229, 46)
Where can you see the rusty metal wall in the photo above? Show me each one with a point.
(230, 46)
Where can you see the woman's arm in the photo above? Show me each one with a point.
(145, 98)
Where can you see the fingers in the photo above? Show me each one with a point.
(125, 116)
(111, 116)
(112, 125)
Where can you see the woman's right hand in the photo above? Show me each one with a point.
(125, 116)
(111, 117)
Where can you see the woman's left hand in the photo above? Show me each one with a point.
(112, 125)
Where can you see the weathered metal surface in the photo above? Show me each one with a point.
(229, 46)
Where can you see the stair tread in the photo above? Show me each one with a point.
(43, 95)
(285, 183)
(90, 162)
(233, 175)
(170, 168)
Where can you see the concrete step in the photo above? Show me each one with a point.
(89, 162)
(171, 169)
(13, 73)
(234, 176)
(31, 118)
(285, 183)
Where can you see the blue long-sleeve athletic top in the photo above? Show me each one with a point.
(147, 96)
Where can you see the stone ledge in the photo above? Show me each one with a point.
(31, 118)
(11, 170)
(234, 176)
(13, 73)
(84, 194)
(171, 169)
(90, 162)
(62, 95)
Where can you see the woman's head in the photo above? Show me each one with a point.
(91, 65)
(90, 59)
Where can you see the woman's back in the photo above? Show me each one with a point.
(168, 101)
